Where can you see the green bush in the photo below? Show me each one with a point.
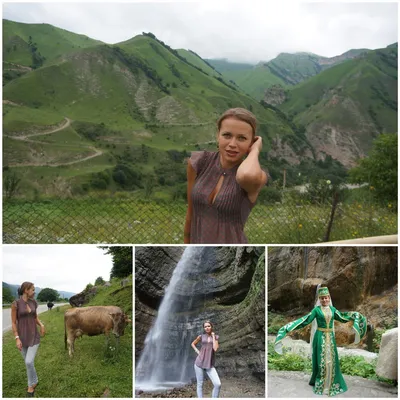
(356, 366)
(287, 361)
(379, 169)
(270, 195)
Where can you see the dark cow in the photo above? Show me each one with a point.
(92, 321)
(50, 305)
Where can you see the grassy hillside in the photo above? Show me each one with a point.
(17, 119)
(345, 107)
(94, 371)
(256, 80)
(49, 41)
(252, 79)
(286, 70)
(370, 81)
(134, 103)
(196, 60)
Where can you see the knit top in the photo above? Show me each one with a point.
(206, 357)
(26, 322)
(221, 221)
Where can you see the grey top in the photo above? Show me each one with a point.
(206, 357)
(220, 222)
(26, 322)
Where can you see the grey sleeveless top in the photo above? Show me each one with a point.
(220, 222)
(26, 322)
(206, 357)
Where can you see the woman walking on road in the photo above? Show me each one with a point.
(24, 319)
(206, 359)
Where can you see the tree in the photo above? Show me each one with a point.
(7, 295)
(47, 294)
(379, 169)
(149, 186)
(99, 281)
(11, 184)
(122, 261)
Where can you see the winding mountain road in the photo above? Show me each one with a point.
(66, 124)
(25, 138)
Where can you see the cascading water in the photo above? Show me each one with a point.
(167, 358)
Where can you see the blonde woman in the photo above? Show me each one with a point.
(24, 319)
(223, 186)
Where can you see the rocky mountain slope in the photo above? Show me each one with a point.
(146, 106)
(118, 98)
(360, 279)
(231, 294)
(345, 107)
(286, 69)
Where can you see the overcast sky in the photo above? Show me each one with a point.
(239, 30)
(62, 267)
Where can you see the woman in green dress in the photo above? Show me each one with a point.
(326, 376)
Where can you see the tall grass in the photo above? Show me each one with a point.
(124, 219)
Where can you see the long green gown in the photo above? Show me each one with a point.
(326, 376)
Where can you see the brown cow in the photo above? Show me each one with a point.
(92, 321)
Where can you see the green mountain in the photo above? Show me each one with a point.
(125, 116)
(346, 106)
(27, 46)
(21, 41)
(285, 70)
(252, 79)
(110, 115)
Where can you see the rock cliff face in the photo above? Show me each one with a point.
(360, 279)
(229, 291)
(275, 95)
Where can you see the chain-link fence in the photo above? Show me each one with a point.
(119, 218)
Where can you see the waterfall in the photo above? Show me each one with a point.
(167, 358)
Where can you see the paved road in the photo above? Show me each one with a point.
(288, 384)
(7, 314)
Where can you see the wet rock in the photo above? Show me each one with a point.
(230, 292)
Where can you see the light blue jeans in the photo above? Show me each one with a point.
(29, 354)
(213, 375)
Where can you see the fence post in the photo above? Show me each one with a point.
(284, 178)
(334, 205)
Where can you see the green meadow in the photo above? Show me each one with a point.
(94, 371)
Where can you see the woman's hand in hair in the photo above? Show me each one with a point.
(257, 144)
(19, 344)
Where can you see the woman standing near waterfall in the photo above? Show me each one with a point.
(206, 359)
(326, 375)
(223, 186)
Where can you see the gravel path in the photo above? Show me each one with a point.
(230, 388)
(289, 384)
